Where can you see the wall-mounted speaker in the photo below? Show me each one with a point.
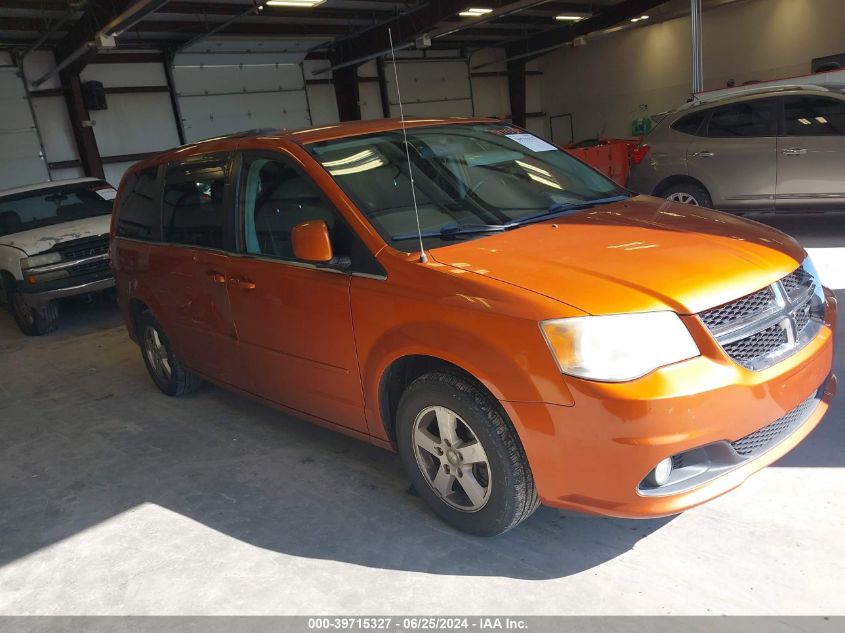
(94, 95)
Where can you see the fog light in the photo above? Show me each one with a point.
(660, 474)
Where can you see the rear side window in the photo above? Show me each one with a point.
(814, 116)
(743, 120)
(193, 209)
(139, 214)
(690, 124)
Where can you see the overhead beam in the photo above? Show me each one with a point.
(538, 44)
(97, 14)
(375, 41)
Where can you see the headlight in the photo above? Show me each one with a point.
(618, 347)
(40, 260)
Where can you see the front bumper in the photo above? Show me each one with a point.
(38, 297)
(593, 456)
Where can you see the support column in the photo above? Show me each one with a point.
(382, 88)
(697, 65)
(516, 90)
(345, 82)
(80, 122)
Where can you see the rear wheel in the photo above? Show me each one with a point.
(463, 456)
(169, 375)
(688, 193)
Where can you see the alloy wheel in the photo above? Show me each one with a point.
(452, 459)
(682, 196)
(157, 354)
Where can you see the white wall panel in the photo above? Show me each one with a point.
(135, 123)
(54, 123)
(205, 117)
(435, 88)
(21, 161)
(114, 172)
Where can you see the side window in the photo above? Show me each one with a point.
(689, 124)
(193, 207)
(277, 197)
(814, 116)
(139, 214)
(743, 119)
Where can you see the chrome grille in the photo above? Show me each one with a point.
(83, 248)
(740, 309)
(747, 349)
(764, 327)
(763, 439)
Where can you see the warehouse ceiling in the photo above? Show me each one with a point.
(335, 24)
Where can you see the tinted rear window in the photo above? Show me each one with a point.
(139, 215)
(744, 119)
(193, 207)
(690, 124)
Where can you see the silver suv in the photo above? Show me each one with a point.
(773, 149)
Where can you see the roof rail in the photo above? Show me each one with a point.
(753, 89)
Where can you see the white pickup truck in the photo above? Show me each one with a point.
(54, 243)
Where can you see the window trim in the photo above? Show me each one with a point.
(190, 166)
(782, 131)
(774, 126)
(157, 228)
(239, 174)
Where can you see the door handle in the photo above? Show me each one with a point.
(794, 151)
(243, 284)
(218, 278)
(703, 154)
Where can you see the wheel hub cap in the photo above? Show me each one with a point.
(452, 459)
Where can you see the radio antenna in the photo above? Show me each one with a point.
(423, 258)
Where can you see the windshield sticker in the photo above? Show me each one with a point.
(532, 142)
(107, 193)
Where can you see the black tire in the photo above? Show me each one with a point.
(31, 321)
(512, 496)
(179, 380)
(699, 196)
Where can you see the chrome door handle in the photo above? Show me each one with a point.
(703, 154)
(794, 151)
(243, 284)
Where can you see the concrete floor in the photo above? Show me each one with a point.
(117, 500)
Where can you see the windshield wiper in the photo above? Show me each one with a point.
(447, 230)
(561, 208)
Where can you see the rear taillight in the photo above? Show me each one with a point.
(638, 153)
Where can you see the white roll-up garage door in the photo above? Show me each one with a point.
(21, 162)
(222, 92)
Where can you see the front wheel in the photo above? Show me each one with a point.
(33, 321)
(463, 455)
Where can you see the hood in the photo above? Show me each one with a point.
(639, 255)
(44, 238)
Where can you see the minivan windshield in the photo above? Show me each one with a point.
(54, 205)
(470, 180)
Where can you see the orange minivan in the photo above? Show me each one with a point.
(517, 326)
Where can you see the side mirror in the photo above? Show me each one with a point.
(311, 242)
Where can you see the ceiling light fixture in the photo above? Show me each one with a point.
(642, 17)
(302, 4)
(475, 13)
(570, 18)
